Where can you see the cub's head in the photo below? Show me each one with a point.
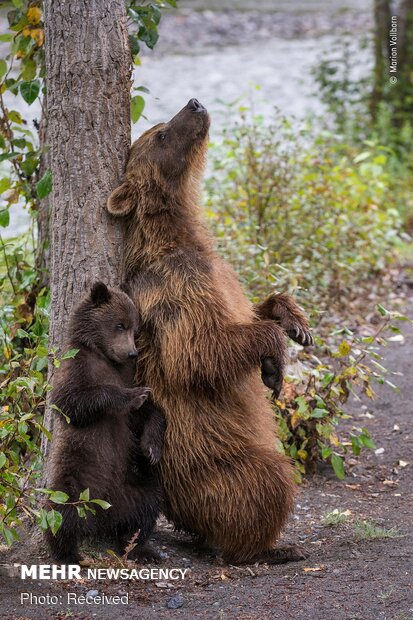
(162, 161)
(106, 320)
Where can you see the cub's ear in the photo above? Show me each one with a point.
(126, 288)
(100, 294)
(121, 201)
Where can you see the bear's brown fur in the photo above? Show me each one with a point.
(200, 346)
(114, 435)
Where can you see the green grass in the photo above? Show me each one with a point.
(365, 530)
(335, 517)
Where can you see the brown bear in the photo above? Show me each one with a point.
(113, 438)
(200, 346)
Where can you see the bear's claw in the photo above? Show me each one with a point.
(301, 336)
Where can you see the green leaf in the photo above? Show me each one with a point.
(42, 519)
(149, 35)
(4, 184)
(58, 497)
(8, 536)
(134, 45)
(30, 91)
(70, 354)
(355, 445)
(3, 67)
(29, 164)
(338, 466)
(6, 38)
(84, 496)
(4, 218)
(54, 520)
(326, 452)
(382, 310)
(367, 441)
(29, 69)
(302, 405)
(318, 413)
(15, 117)
(136, 107)
(101, 503)
(361, 157)
(3, 459)
(81, 511)
(44, 185)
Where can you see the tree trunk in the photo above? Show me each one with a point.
(43, 211)
(403, 91)
(88, 68)
(381, 54)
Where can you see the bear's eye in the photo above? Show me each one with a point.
(161, 136)
(120, 326)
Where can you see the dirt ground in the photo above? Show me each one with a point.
(347, 576)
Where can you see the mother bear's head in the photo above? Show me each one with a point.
(163, 162)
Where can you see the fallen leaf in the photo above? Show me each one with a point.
(403, 463)
(315, 569)
(396, 338)
(391, 483)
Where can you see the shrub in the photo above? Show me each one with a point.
(302, 213)
(312, 408)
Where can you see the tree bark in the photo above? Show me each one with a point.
(88, 69)
(42, 262)
(381, 53)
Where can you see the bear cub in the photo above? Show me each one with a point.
(115, 434)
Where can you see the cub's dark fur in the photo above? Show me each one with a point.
(111, 427)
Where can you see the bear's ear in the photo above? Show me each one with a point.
(121, 201)
(125, 287)
(100, 294)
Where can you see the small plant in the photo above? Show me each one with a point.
(335, 517)
(365, 530)
(312, 406)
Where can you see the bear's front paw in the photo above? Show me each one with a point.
(301, 334)
(272, 375)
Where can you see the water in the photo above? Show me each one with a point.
(280, 68)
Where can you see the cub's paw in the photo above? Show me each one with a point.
(145, 553)
(140, 395)
(151, 449)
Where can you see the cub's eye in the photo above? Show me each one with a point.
(161, 136)
(120, 326)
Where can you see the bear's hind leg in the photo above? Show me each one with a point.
(140, 515)
(64, 545)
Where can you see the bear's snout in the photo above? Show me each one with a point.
(195, 106)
